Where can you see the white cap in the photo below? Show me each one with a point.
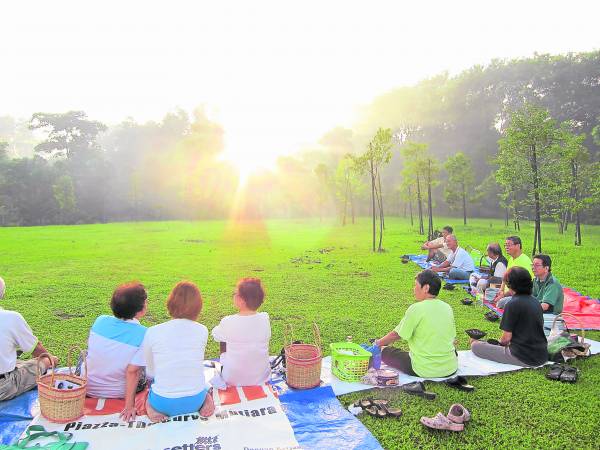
(2, 287)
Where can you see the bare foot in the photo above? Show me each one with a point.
(154, 415)
(208, 407)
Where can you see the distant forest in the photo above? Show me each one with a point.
(65, 167)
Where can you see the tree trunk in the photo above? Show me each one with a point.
(412, 223)
(576, 195)
(429, 204)
(537, 240)
(420, 206)
(506, 217)
(352, 204)
(345, 202)
(373, 200)
(464, 202)
(380, 196)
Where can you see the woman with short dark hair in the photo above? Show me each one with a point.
(523, 342)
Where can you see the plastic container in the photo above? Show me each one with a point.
(349, 361)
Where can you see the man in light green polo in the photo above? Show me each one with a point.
(514, 248)
(429, 330)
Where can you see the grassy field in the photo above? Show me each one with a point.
(61, 277)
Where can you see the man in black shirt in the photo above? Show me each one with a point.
(523, 342)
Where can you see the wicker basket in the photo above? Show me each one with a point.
(62, 405)
(303, 361)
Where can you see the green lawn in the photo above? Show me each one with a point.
(61, 277)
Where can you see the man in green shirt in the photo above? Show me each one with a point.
(514, 248)
(546, 287)
(428, 328)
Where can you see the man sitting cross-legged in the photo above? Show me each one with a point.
(428, 328)
(459, 264)
(18, 376)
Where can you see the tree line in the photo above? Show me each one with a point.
(444, 144)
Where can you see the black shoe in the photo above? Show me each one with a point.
(418, 388)
(460, 383)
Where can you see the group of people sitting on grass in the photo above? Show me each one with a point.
(448, 257)
(123, 354)
(429, 330)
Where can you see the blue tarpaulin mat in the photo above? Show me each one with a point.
(15, 416)
(320, 421)
(421, 261)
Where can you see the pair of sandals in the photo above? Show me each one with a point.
(378, 408)
(564, 373)
(455, 420)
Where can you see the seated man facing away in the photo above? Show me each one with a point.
(523, 342)
(428, 328)
(115, 342)
(546, 287)
(437, 248)
(514, 248)
(17, 376)
(498, 265)
(459, 264)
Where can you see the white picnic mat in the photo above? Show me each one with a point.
(468, 365)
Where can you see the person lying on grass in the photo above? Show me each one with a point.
(244, 337)
(523, 342)
(115, 342)
(174, 355)
(18, 376)
(428, 327)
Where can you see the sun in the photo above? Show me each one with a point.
(249, 163)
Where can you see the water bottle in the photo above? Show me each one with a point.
(376, 360)
(479, 298)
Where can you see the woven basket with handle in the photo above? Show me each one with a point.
(62, 405)
(303, 361)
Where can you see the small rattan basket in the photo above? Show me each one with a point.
(303, 361)
(62, 405)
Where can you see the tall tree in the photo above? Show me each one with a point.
(459, 189)
(528, 157)
(322, 173)
(414, 172)
(379, 152)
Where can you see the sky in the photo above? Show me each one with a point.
(276, 74)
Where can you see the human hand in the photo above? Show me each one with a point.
(128, 414)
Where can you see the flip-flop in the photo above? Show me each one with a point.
(418, 388)
(569, 375)
(491, 316)
(493, 341)
(449, 287)
(364, 403)
(460, 383)
(467, 301)
(476, 334)
(555, 371)
(382, 410)
(375, 411)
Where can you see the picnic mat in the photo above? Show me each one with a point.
(468, 365)
(248, 417)
(321, 422)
